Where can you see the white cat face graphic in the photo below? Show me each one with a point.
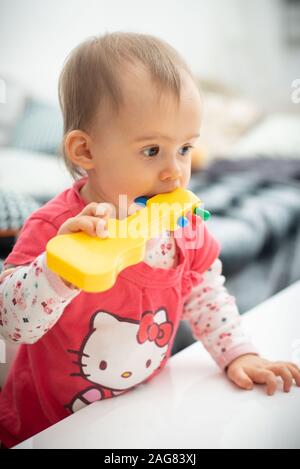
(120, 353)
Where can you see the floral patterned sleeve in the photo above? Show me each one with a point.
(215, 320)
(32, 299)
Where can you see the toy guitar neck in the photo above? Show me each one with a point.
(93, 264)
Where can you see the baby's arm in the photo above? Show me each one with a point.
(32, 299)
(215, 320)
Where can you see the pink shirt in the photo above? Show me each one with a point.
(104, 343)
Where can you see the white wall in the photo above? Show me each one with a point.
(236, 42)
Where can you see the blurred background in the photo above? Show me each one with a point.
(246, 57)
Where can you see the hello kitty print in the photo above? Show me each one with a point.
(118, 353)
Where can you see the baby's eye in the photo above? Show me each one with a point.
(187, 148)
(152, 150)
(148, 363)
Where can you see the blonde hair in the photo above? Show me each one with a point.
(91, 74)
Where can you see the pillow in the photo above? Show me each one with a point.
(225, 119)
(35, 174)
(277, 136)
(40, 128)
(14, 209)
(12, 103)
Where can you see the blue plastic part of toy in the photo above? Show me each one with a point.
(141, 200)
(182, 222)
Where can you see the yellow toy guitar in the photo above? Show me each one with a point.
(93, 264)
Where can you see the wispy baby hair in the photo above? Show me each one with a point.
(92, 73)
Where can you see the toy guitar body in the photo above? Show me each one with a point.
(93, 264)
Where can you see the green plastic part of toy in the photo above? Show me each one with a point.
(204, 214)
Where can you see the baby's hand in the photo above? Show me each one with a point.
(246, 370)
(92, 220)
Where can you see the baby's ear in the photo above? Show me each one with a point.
(102, 319)
(77, 145)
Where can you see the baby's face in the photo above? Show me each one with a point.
(146, 149)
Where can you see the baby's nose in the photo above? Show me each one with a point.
(126, 374)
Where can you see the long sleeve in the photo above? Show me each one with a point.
(214, 318)
(32, 299)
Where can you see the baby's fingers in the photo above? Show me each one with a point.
(100, 213)
(104, 209)
(82, 223)
(288, 372)
(286, 376)
(261, 376)
(101, 228)
(240, 378)
(93, 226)
(97, 209)
(295, 372)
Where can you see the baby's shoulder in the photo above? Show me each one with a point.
(58, 209)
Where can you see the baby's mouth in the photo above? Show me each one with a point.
(143, 198)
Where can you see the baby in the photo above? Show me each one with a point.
(132, 113)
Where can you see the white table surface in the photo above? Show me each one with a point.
(191, 404)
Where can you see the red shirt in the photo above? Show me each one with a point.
(81, 358)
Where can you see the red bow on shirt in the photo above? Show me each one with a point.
(150, 330)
